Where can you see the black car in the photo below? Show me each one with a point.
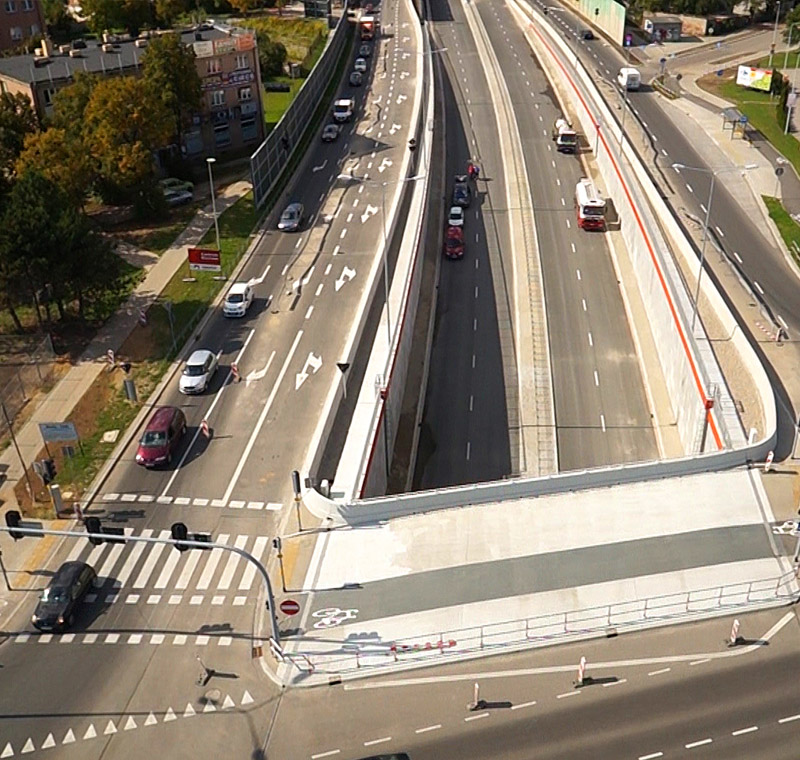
(462, 194)
(587, 34)
(59, 601)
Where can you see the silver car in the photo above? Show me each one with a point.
(360, 65)
(198, 371)
(291, 218)
(331, 132)
(356, 78)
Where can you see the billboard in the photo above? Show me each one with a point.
(205, 259)
(755, 79)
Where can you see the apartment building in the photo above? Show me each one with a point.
(19, 21)
(226, 58)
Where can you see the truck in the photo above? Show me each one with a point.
(564, 135)
(629, 78)
(367, 27)
(343, 109)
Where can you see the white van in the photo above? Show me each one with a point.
(629, 78)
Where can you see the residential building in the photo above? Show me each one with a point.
(231, 117)
(19, 21)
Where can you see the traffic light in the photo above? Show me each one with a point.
(180, 533)
(48, 471)
(93, 526)
(13, 520)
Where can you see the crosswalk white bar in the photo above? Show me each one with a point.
(150, 562)
(94, 556)
(188, 568)
(250, 569)
(169, 566)
(78, 545)
(105, 572)
(233, 561)
(211, 565)
(130, 562)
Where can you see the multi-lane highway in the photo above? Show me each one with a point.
(158, 618)
(471, 412)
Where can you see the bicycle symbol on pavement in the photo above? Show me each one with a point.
(333, 616)
(789, 528)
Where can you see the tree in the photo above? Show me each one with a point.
(125, 122)
(168, 10)
(61, 158)
(243, 6)
(168, 68)
(17, 121)
(136, 15)
(792, 17)
(56, 16)
(271, 56)
(69, 103)
(102, 15)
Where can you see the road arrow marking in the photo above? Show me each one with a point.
(368, 212)
(321, 166)
(315, 362)
(385, 164)
(377, 100)
(259, 280)
(404, 74)
(258, 374)
(346, 275)
(401, 98)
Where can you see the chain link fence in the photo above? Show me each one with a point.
(26, 364)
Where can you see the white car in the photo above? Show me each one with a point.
(331, 132)
(360, 65)
(456, 218)
(198, 371)
(238, 300)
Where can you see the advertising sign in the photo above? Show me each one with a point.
(205, 259)
(52, 432)
(755, 79)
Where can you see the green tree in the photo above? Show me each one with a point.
(17, 121)
(56, 17)
(136, 15)
(792, 17)
(271, 56)
(69, 103)
(168, 68)
(243, 6)
(168, 10)
(125, 122)
(102, 15)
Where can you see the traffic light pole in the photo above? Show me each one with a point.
(19, 532)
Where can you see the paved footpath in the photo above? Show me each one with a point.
(22, 556)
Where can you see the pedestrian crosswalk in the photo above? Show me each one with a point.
(152, 573)
(190, 501)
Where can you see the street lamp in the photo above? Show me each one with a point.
(789, 46)
(210, 161)
(713, 173)
(774, 34)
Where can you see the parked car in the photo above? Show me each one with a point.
(462, 194)
(360, 65)
(238, 300)
(291, 218)
(331, 133)
(456, 217)
(173, 183)
(161, 436)
(60, 599)
(178, 197)
(365, 51)
(200, 367)
(587, 34)
(356, 78)
(454, 243)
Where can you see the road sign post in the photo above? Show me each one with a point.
(276, 542)
(298, 495)
(290, 607)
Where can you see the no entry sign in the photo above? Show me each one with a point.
(290, 607)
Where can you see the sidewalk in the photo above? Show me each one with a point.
(60, 402)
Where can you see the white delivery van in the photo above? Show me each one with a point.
(629, 78)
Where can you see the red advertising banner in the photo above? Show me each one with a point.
(205, 259)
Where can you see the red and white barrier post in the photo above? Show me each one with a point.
(476, 703)
(204, 429)
(235, 372)
(768, 463)
(734, 639)
(581, 672)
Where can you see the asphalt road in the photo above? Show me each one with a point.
(472, 397)
(135, 645)
(646, 695)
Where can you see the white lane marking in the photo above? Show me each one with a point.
(790, 718)
(330, 753)
(615, 683)
(583, 303)
(523, 704)
(262, 417)
(567, 694)
(596, 379)
(473, 361)
(591, 340)
(217, 397)
(703, 208)
(578, 273)
(737, 257)
(652, 756)
(603, 422)
(719, 231)
(468, 450)
(308, 313)
(702, 742)
(758, 287)
(700, 662)
(659, 672)
(476, 717)
(689, 187)
(573, 247)
(471, 399)
(744, 731)
(664, 152)
(319, 288)
(328, 269)
(428, 728)
(336, 250)
(378, 741)
(343, 233)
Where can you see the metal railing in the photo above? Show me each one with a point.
(539, 630)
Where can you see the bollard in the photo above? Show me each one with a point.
(476, 703)
(204, 429)
(734, 639)
(581, 672)
(235, 372)
(768, 463)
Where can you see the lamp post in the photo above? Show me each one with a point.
(211, 161)
(774, 34)
(713, 173)
(788, 47)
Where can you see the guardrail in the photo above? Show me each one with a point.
(361, 655)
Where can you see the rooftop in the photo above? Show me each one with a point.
(124, 54)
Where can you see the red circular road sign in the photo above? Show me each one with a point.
(290, 607)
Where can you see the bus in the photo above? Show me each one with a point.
(590, 207)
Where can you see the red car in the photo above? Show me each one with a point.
(161, 436)
(454, 243)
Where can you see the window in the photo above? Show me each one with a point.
(217, 98)
(34, 30)
(48, 94)
(245, 93)
(10, 6)
(242, 62)
(27, 5)
(222, 135)
(16, 33)
(249, 129)
(214, 66)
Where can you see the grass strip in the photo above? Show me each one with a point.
(788, 227)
